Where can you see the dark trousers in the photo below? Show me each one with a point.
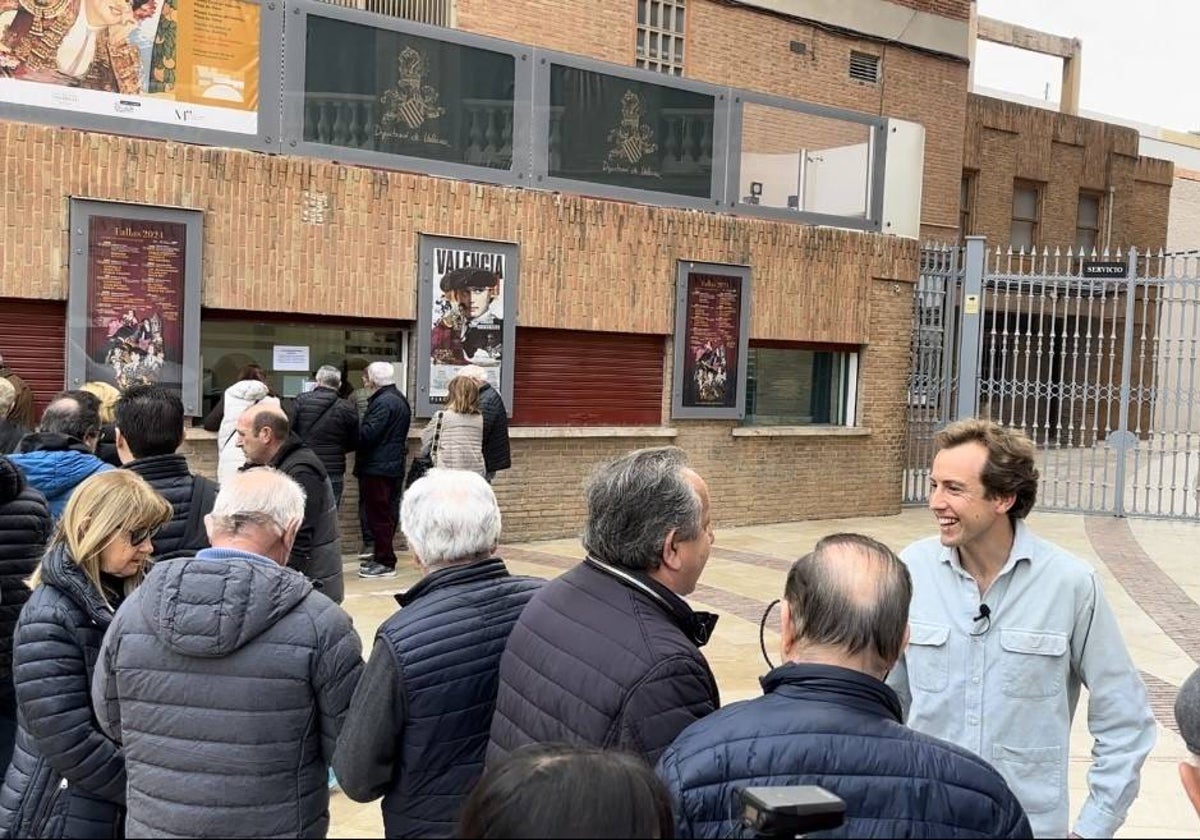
(363, 525)
(338, 480)
(381, 500)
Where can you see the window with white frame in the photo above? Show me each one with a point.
(1026, 215)
(1087, 223)
(660, 36)
(801, 386)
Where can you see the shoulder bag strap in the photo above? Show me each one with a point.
(437, 433)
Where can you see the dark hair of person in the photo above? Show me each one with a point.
(150, 418)
(834, 601)
(252, 371)
(634, 502)
(1011, 468)
(560, 790)
(72, 413)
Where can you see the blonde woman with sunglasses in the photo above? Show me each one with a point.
(67, 778)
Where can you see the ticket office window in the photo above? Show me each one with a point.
(228, 345)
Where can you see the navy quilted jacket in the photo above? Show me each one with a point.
(444, 649)
(603, 657)
(67, 778)
(842, 730)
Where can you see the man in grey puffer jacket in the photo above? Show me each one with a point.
(227, 677)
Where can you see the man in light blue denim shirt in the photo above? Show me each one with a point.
(1005, 628)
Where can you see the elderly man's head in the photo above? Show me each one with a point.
(379, 375)
(258, 511)
(328, 377)
(75, 414)
(450, 517)
(647, 511)
(846, 604)
(1187, 716)
(261, 432)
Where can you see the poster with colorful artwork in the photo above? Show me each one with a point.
(180, 62)
(712, 327)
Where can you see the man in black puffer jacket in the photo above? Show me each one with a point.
(827, 718)
(608, 654)
(382, 448)
(418, 725)
(25, 527)
(328, 424)
(226, 677)
(149, 421)
(263, 432)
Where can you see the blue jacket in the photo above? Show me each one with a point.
(842, 730)
(55, 465)
(418, 725)
(383, 434)
(67, 778)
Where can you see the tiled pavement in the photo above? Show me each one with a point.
(1150, 578)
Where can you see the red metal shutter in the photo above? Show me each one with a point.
(34, 345)
(572, 378)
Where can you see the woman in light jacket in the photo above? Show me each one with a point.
(460, 442)
(67, 778)
(250, 389)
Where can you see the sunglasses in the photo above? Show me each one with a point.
(138, 536)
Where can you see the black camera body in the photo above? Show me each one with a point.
(789, 811)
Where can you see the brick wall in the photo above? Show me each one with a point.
(1184, 229)
(748, 48)
(1006, 141)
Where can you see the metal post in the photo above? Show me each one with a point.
(1122, 443)
(968, 333)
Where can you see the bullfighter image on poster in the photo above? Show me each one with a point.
(468, 316)
(714, 312)
(135, 301)
(186, 62)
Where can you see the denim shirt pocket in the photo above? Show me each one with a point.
(1035, 775)
(1033, 663)
(928, 656)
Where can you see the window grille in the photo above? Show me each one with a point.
(864, 67)
(433, 12)
(660, 33)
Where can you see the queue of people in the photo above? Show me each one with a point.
(175, 660)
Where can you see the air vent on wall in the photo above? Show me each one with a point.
(864, 67)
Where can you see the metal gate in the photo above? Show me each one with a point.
(1093, 357)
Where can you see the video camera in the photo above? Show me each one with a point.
(777, 812)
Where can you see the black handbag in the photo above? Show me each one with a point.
(426, 461)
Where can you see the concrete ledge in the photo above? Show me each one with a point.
(800, 431)
(591, 432)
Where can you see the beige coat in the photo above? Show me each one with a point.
(460, 446)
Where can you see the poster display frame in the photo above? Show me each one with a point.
(684, 270)
(82, 211)
(427, 294)
(264, 139)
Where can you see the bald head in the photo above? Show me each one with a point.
(261, 432)
(73, 415)
(848, 600)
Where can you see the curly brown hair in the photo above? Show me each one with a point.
(1011, 461)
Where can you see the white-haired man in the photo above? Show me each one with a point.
(420, 718)
(252, 673)
(328, 424)
(497, 454)
(382, 442)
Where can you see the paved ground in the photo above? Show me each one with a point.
(1154, 587)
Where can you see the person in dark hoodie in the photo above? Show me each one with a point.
(253, 673)
(60, 455)
(25, 526)
(149, 431)
(263, 433)
(67, 778)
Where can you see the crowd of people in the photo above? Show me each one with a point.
(175, 662)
